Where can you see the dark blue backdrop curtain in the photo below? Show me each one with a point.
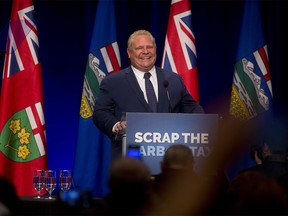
(65, 28)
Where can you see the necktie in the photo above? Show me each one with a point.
(152, 100)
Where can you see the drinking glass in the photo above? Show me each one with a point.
(65, 180)
(50, 182)
(38, 181)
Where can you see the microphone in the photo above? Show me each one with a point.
(166, 84)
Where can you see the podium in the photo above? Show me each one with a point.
(148, 135)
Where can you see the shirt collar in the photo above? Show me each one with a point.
(140, 74)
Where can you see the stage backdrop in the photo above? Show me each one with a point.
(65, 30)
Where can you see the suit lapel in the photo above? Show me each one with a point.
(130, 76)
(162, 92)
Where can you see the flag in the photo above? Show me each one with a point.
(251, 94)
(22, 122)
(93, 147)
(180, 50)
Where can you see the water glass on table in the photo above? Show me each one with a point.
(50, 182)
(65, 180)
(38, 181)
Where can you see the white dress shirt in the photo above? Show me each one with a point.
(140, 78)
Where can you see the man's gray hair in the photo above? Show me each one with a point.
(136, 33)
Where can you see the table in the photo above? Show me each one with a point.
(56, 206)
(41, 206)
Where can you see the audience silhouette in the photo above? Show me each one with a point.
(177, 169)
(252, 193)
(131, 191)
(179, 182)
(271, 164)
(9, 201)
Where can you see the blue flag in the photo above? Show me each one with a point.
(93, 148)
(251, 89)
(251, 96)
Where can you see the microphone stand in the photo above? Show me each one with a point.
(166, 84)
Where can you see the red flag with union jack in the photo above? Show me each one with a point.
(180, 50)
(22, 123)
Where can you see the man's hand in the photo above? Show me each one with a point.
(120, 127)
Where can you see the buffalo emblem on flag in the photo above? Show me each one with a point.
(92, 80)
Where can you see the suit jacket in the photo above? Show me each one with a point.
(274, 166)
(120, 93)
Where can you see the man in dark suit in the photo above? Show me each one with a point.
(125, 90)
(271, 164)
